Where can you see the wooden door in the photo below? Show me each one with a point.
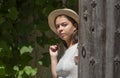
(99, 39)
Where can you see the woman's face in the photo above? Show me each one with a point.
(64, 28)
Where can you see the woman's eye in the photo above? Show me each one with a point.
(57, 26)
(64, 24)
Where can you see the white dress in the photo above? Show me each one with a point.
(66, 67)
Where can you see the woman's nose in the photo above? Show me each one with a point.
(60, 29)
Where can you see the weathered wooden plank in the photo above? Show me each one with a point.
(110, 29)
(116, 72)
(84, 36)
(98, 23)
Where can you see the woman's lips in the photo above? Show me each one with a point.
(62, 34)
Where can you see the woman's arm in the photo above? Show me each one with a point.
(53, 50)
(53, 66)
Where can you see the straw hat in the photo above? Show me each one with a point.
(52, 16)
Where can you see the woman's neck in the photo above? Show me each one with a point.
(69, 43)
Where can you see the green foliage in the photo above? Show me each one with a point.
(18, 18)
(45, 60)
(12, 13)
(25, 72)
(2, 70)
(25, 49)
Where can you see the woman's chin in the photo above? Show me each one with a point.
(64, 38)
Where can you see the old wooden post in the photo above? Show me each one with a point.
(116, 44)
(99, 34)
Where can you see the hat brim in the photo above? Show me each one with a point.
(52, 16)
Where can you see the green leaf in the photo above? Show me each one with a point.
(13, 13)
(4, 49)
(40, 62)
(30, 71)
(20, 73)
(2, 70)
(25, 58)
(16, 68)
(1, 49)
(2, 20)
(25, 49)
(4, 45)
(33, 72)
(27, 70)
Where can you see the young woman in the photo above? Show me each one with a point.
(64, 22)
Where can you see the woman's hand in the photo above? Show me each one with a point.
(53, 50)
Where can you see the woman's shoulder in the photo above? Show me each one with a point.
(73, 47)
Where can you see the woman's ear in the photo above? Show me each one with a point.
(75, 29)
(76, 26)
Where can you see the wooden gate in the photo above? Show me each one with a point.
(99, 39)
